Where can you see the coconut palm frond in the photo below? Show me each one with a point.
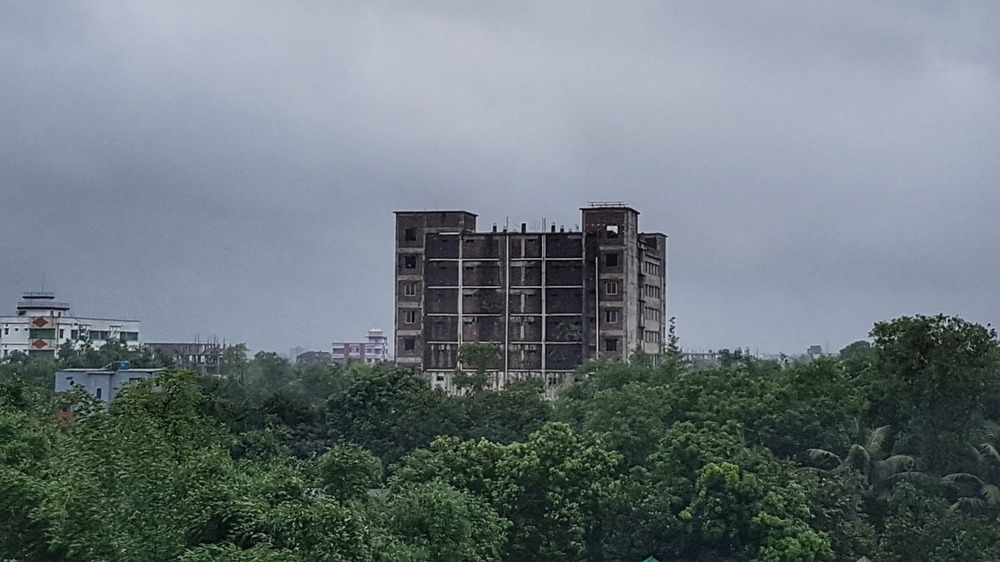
(990, 431)
(968, 505)
(912, 476)
(977, 455)
(876, 439)
(824, 456)
(991, 493)
(962, 478)
(858, 458)
(898, 463)
(990, 452)
(892, 469)
(855, 430)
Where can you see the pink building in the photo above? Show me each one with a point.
(374, 350)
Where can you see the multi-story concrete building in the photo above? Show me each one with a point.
(41, 324)
(201, 357)
(375, 349)
(549, 300)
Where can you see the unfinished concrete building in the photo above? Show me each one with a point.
(550, 300)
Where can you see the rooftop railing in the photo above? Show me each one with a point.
(43, 304)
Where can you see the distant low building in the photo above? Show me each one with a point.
(203, 358)
(374, 350)
(41, 324)
(701, 358)
(308, 358)
(104, 384)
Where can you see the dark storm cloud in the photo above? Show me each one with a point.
(231, 168)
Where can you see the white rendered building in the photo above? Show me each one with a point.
(41, 324)
(374, 350)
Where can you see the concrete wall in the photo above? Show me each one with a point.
(104, 385)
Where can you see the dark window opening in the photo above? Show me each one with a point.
(409, 344)
(611, 344)
(611, 260)
(410, 262)
(409, 234)
(612, 231)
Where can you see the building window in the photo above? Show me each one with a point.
(98, 393)
(409, 344)
(611, 260)
(410, 317)
(611, 288)
(409, 235)
(410, 289)
(410, 262)
(612, 231)
(46, 334)
(611, 344)
(611, 316)
(62, 333)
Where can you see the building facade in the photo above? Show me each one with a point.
(41, 324)
(103, 384)
(375, 349)
(201, 357)
(549, 300)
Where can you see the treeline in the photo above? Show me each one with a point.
(889, 451)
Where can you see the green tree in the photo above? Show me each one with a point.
(480, 356)
(673, 348)
(390, 411)
(930, 375)
(347, 472)
(442, 524)
(552, 488)
(233, 362)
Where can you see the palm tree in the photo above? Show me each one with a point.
(980, 489)
(868, 459)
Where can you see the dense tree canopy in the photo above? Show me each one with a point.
(888, 451)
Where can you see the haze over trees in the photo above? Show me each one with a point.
(888, 451)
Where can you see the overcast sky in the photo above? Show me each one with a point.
(230, 169)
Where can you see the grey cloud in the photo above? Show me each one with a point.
(231, 169)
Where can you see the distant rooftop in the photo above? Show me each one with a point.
(434, 211)
(591, 205)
